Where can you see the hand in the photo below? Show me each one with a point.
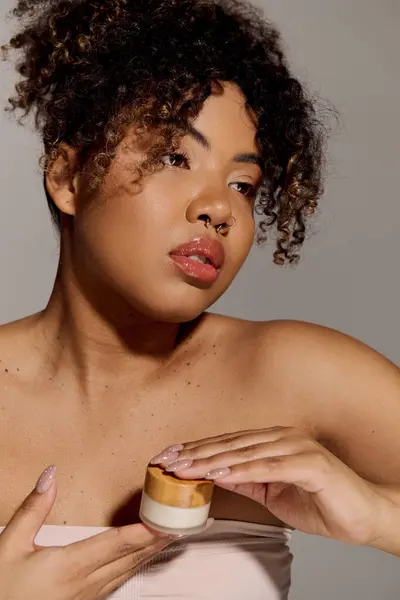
(293, 476)
(86, 570)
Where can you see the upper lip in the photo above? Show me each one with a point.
(202, 246)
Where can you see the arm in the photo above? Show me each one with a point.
(353, 396)
(389, 540)
(336, 472)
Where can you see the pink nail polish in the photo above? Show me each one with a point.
(217, 473)
(164, 457)
(46, 480)
(179, 466)
(176, 448)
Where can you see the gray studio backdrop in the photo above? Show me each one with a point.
(348, 52)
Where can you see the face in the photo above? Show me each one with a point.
(139, 240)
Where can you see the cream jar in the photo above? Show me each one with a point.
(175, 506)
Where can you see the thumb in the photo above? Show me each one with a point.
(30, 516)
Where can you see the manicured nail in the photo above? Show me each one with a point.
(164, 457)
(179, 465)
(217, 473)
(46, 480)
(176, 448)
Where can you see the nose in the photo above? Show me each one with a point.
(213, 209)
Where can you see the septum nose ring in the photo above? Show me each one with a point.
(223, 226)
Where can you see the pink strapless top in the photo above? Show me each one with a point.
(232, 560)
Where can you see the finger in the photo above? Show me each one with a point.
(20, 533)
(118, 572)
(180, 448)
(309, 471)
(231, 443)
(226, 436)
(107, 547)
(249, 453)
(114, 575)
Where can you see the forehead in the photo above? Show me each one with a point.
(225, 120)
(224, 123)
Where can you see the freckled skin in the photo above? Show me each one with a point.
(142, 383)
(124, 361)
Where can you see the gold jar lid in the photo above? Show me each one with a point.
(167, 489)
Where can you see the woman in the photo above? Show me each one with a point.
(166, 126)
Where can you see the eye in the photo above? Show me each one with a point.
(175, 159)
(247, 189)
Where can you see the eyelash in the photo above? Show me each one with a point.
(177, 155)
(252, 190)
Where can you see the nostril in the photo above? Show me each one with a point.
(206, 219)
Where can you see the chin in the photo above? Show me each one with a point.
(172, 314)
(172, 307)
(179, 316)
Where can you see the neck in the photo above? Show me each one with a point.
(92, 341)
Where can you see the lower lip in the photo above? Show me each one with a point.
(194, 268)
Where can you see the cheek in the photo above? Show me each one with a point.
(122, 231)
(243, 238)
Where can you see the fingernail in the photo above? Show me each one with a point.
(46, 480)
(179, 465)
(164, 457)
(176, 448)
(218, 473)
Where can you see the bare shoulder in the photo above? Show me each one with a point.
(16, 342)
(237, 341)
(233, 330)
(339, 378)
(326, 349)
(299, 344)
(337, 387)
(352, 394)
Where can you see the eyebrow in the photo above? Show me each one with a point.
(244, 157)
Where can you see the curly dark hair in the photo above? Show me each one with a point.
(92, 68)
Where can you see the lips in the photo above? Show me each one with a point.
(201, 258)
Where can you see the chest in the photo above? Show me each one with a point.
(101, 451)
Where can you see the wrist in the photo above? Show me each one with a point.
(388, 532)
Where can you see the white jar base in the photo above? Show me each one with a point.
(173, 520)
